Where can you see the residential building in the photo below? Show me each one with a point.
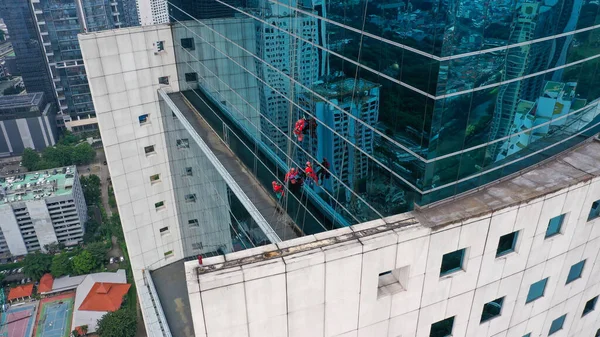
(152, 12)
(28, 47)
(441, 236)
(41, 208)
(26, 121)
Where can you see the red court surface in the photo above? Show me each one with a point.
(18, 321)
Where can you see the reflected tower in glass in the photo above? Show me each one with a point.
(413, 102)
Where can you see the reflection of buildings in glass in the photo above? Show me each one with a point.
(557, 100)
(281, 55)
(359, 99)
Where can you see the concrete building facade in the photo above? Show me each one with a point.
(41, 208)
(397, 276)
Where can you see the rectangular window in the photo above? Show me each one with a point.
(575, 271)
(188, 43)
(183, 143)
(190, 197)
(536, 290)
(589, 306)
(557, 324)
(492, 309)
(163, 80)
(595, 211)
(197, 245)
(149, 149)
(164, 230)
(159, 205)
(154, 178)
(169, 253)
(191, 77)
(452, 262)
(188, 171)
(393, 281)
(442, 328)
(554, 225)
(527, 335)
(193, 223)
(507, 244)
(160, 46)
(143, 119)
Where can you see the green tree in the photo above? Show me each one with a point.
(91, 189)
(12, 91)
(37, 264)
(120, 323)
(68, 138)
(30, 159)
(2, 35)
(61, 265)
(53, 248)
(84, 263)
(59, 155)
(98, 250)
(83, 154)
(2, 276)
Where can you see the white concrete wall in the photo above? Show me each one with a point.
(42, 223)
(330, 287)
(11, 232)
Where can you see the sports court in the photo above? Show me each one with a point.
(18, 321)
(54, 316)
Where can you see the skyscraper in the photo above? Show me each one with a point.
(27, 44)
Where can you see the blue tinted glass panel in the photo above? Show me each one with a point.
(536, 290)
(527, 335)
(557, 324)
(575, 271)
(507, 244)
(452, 262)
(590, 306)
(554, 225)
(595, 211)
(442, 328)
(492, 309)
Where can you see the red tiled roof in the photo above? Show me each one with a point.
(20, 291)
(105, 297)
(45, 283)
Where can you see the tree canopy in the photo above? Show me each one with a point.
(30, 159)
(98, 250)
(91, 189)
(37, 264)
(61, 265)
(65, 153)
(120, 323)
(84, 263)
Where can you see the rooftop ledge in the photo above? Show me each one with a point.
(578, 165)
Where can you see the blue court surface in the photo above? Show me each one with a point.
(54, 320)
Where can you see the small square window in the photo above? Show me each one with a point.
(554, 225)
(191, 77)
(143, 119)
(188, 171)
(163, 80)
(452, 262)
(507, 244)
(188, 43)
(160, 45)
(149, 149)
(190, 197)
(492, 309)
(575, 271)
(393, 281)
(589, 306)
(597, 333)
(536, 290)
(193, 223)
(164, 230)
(557, 324)
(169, 253)
(197, 245)
(159, 205)
(527, 335)
(595, 211)
(442, 328)
(155, 178)
(183, 143)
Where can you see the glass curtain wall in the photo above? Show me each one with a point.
(409, 101)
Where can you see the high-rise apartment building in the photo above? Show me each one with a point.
(152, 12)
(28, 47)
(41, 208)
(469, 206)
